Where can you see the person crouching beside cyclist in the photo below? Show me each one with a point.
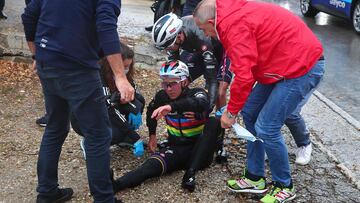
(192, 135)
(125, 118)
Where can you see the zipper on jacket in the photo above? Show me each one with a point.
(179, 119)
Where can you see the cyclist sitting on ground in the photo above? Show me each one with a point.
(183, 40)
(192, 135)
(125, 118)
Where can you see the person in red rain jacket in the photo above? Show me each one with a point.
(271, 48)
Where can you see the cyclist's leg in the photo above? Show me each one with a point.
(164, 161)
(203, 152)
(152, 167)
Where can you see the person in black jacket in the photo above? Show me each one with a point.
(192, 135)
(188, 8)
(66, 38)
(125, 118)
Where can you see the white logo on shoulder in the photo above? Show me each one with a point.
(200, 95)
(43, 42)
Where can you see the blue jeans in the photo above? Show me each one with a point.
(265, 112)
(78, 91)
(296, 124)
(2, 5)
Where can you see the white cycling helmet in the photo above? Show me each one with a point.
(175, 70)
(165, 30)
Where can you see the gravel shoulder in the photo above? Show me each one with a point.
(21, 103)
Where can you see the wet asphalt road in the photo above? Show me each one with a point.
(341, 83)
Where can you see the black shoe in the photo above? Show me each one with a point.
(149, 28)
(221, 156)
(42, 121)
(2, 15)
(188, 181)
(163, 144)
(62, 195)
(118, 201)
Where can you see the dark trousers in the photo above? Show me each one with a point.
(2, 4)
(27, 2)
(189, 7)
(78, 92)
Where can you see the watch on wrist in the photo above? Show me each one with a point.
(230, 115)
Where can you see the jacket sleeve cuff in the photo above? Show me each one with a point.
(232, 110)
(111, 47)
(29, 29)
(30, 36)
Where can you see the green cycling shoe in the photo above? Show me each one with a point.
(279, 195)
(245, 185)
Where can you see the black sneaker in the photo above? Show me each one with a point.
(62, 195)
(42, 121)
(221, 156)
(188, 181)
(118, 201)
(163, 144)
(149, 28)
(2, 15)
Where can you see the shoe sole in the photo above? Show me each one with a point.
(248, 191)
(42, 125)
(64, 199)
(293, 197)
(190, 189)
(68, 196)
(302, 164)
